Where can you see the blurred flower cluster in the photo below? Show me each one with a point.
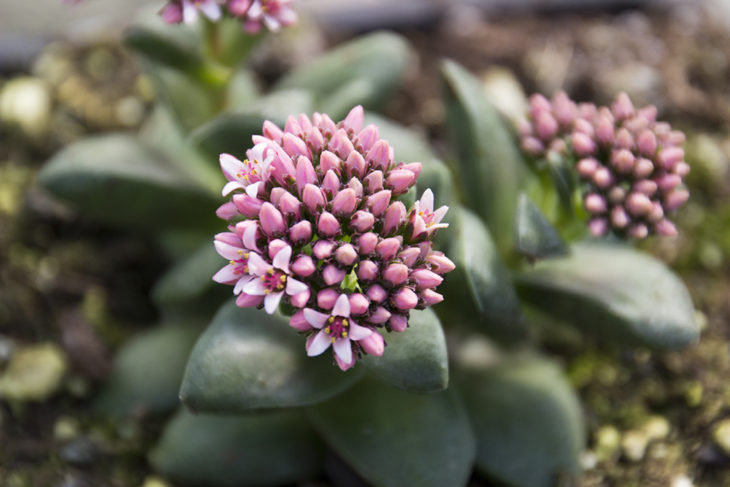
(631, 166)
(317, 224)
(274, 14)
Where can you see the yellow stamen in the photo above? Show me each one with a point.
(231, 262)
(282, 278)
(328, 330)
(240, 252)
(344, 334)
(267, 292)
(270, 271)
(332, 339)
(344, 322)
(331, 319)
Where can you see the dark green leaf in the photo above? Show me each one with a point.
(238, 451)
(489, 164)
(536, 237)
(147, 372)
(116, 179)
(247, 359)
(527, 421)
(415, 360)
(615, 292)
(161, 49)
(392, 438)
(361, 72)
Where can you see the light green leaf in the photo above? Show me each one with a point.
(392, 438)
(247, 359)
(415, 360)
(361, 72)
(117, 179)
(489, 165)
(238, 451)
(527, 421)
(615, 292)
(536, 237)
(147, 372)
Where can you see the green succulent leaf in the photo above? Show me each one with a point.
(147, 371)
(481, 286)
(161, 49)
(362, 72)
(231, 132)
(415, 360)
(527, 421)
(117, 179)
(490, 168)
(614, 292)
(238, 451)
(536, 237)
(393, 438)
(247, 360)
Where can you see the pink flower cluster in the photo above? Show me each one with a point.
(631, 166)
(316, 224)
(274, 14)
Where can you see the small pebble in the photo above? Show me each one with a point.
(607, 440)
(633, 445)
(80, 451)
(721, 435)
(65, 429)
(34, 373)
(682, 481)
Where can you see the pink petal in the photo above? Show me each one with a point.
(295, 287)
(439, 214)
(343, 349)
(358, 332)
(228, 251)
(271, 302)
(226, 275)
(282, 258)
(315, 318)
(426, 201)
(255, 288)
(256, 265)
(252, 189)
(241, 283)
(319, 344)
(231, 186)
(342, 307)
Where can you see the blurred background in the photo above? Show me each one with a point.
(72, 291)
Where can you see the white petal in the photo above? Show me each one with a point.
(231, 166)
(211, 9)
(249, 237)
(427, 200)
(271, 302)
(342, 307)
(271, 23)
(282, 258)
(226, 274)
(295, 287)
(315, 318)
(255, 11)
(343, 349)
(231, 186)
(241, 283)
(439, 214)
(190, 13)
(252, 189)
(320, 343)
(255, 288)
(256, 265)
(358, 332)
(228, 251)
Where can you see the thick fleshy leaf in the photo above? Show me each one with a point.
(361, 72)
(238, 451)
(527, 421)
(117, 179)
(481, 286)
(489, 166)
(415, 360)
(247, 359)
(393, 438)
(615, 292)
(242, 91)
(536, 238)
(231, 132)
(147, 371)
(161, 49)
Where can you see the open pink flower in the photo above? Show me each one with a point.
(272, 280)
(230, 247)
(177, 11)
(336, 329)
(248, 174)
(424, 219)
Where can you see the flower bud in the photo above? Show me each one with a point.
(327, 225)
(298, 322)
(431, 297)
(323, 249)
(326, 298)
(362, 221)
(376, 293)
(395, 216)
(346, 255)
(345, 202)
(272, 221)
(396, 274)
(425, 278)
(332, 275)
(313, 198)
(301, 232)
(398, 323)
(303, 266)
(388, 247)
(379, 316)
(367, 137)
(405, 299)
(367, 243)
(373, 344)
(367, 270)
(358, 303)
(410, 256)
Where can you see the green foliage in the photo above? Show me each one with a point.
(527, 421)
(392, 438)
(615, 292)
(238, 451)
(536, 238)
(117, 179)
(247, 359)
(415, 360)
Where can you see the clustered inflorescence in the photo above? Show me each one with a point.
(316, 223)
(631, 166)
(274, 14)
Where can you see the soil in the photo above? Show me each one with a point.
(651, 417)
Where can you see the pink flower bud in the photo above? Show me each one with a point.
(301, 232)
(643, 168)
(564, 109)
(532, 146)
(546, 126)
(376, 293)
(400, 180)
(646, 142)
(395, 216)
(583, 145)
(425, 278)
(584, 126)
(622, 107)
(226, 211)
(378, 202)
(623, 161)
(362, 221)
(346, 255)
(367, 270)
(598, 226)
(355, 165)
(353, 121)
(603, 178)
(301, 299)
(303, 266)
(405, 299)
(410, 256)
(624, 139)
(666, 228)
(247, 206)
(275, 246)
(328, 225)
(681, 169)
(379, 316)
(326, 298)
(340, 144)
(272, 221)
(329, 161)
(313, 198)
(668, 182)
(675, 137)
(604, 130)
(539, 104)
(379, 155)
(638, 204)
(345, 202)
(414, 167)
(293, 127)
(356, 186)
(587, 167)
(305, 172)
(172, 13)
(331, 183)
(617, 195)
(619, 218)
(299, 323)
(657, 212)
(675, 199)
(558, 146)
(387, 248)
(398, 323)
(638, 230)
(324, 123)
(358, 303)
(294, 146)
(248, 301)
(373, 344)
(441, 264)
(315, 140)
(396, 274)
(431, 297)
(367, 137)
(669, 156)
(332, 275)
(289, 205)
(374, 181)
(323, 249)
(595, 203)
